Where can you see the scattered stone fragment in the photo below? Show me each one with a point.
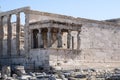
(6, 72)
(19, 70)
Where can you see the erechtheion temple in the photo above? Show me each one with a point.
(62, 42)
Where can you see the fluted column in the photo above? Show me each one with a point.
(1, 36)
(40, 40)
(18, 34)
(9, 35)
(78, 40)
(49, 38)
(59, 39)
(69, 39)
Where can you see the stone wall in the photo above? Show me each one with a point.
(99, 47)
(100, 43)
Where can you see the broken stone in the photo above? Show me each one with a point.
(62, 77)
(0, 75)
(80, 76)
(67, 74)
(19, 70)
(25, 77)
(32, 74)
(14, 76)
(117, 70)
(52, 77)
(4, 76)
(6, 72)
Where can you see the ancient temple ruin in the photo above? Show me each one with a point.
(52, 40)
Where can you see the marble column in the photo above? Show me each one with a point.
(9, 35)
(18, 34)
(59, 39)
(26, 34)
(78, 40)
(1, 36)
(40, 40)
(69, 39)
(31, 32)
(49, 38)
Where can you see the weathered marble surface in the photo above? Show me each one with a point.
(99, 43)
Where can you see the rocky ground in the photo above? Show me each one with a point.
(77, 74)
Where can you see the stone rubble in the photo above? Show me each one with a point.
(82, 74)
(6, 72)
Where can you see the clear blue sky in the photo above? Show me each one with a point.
(91, 9)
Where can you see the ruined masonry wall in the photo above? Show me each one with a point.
(100, 46)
